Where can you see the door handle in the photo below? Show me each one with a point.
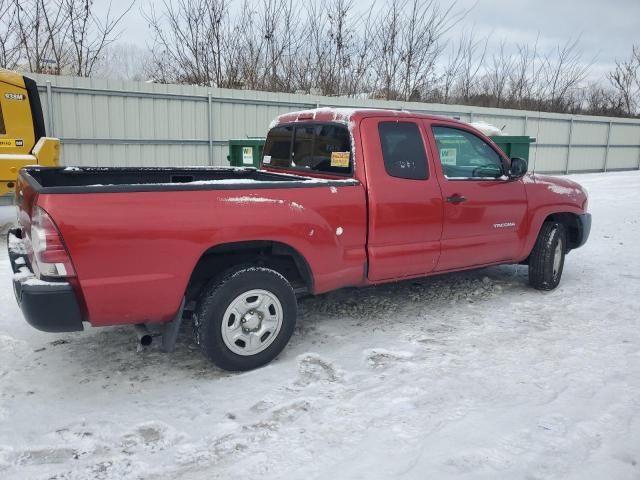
(456, 199)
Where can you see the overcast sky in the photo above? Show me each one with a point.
(607, 28)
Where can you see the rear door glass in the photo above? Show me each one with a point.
(403, 150)
(315, 147)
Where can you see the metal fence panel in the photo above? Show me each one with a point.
(590, 134)
(118, 123)
(625, 134)
(549, 159)
(624, 158)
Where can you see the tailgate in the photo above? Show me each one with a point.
(26, 196)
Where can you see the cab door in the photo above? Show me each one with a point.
(404, 200)
(484, 210)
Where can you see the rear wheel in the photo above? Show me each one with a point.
(245, 319)
(547, 258)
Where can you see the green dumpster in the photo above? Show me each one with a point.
(246, 152)
(514, 145)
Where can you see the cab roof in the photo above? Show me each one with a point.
(348, 115)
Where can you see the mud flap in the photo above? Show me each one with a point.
(170, 330)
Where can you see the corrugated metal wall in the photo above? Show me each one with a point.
(118, 123)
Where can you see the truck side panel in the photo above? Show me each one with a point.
(134, 252)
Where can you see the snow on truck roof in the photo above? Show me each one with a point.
(346, 115)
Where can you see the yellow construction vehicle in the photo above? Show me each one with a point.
(22, 133)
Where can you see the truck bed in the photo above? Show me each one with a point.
(141, 179)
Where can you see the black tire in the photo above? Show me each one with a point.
(544, 271)
(220, 294)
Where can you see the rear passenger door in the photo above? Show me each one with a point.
(404, 199)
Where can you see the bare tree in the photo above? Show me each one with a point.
(291, 44)
(89, 33)
(393, 52)
(497, 77)
(524, 76)
(9, 39)
(337, 56)
(451, 71)
(57, 36)
(123, 61)
(188, 42)
(332, 40)
(388, 49)
(600, 100)
(425, 24)
(408, 44)
(34, 37)
(625, 79)
(474, 52)
(276, 17)
(562, 73)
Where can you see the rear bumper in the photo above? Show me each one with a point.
(584, 229)
(47, 306)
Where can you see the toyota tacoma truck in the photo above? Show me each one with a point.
(343, 198)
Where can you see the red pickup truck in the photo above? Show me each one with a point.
(343, 198)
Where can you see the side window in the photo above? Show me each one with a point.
(2, 129)
(403, 150)
(464, 155)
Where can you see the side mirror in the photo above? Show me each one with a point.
(518, 168)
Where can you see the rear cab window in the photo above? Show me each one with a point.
(313, 147)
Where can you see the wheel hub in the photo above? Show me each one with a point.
(251, 321)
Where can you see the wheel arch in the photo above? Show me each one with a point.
(279, 256)
(571, 224)
(567, 217)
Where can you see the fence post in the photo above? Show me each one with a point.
(51, 131)
(209, 128)
(526, 121)
(638, 158)
(606, 152)
(566, 170)
(471, 117)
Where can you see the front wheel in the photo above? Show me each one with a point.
(244, 320)
(547, 258)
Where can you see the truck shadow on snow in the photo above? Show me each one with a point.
(114, 349)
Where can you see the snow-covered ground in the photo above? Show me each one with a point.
(471, 375)
(7, 218)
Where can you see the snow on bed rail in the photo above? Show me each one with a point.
(231, 181)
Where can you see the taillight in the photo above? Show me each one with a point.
(50, 255)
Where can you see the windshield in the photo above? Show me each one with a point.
(320, 147)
